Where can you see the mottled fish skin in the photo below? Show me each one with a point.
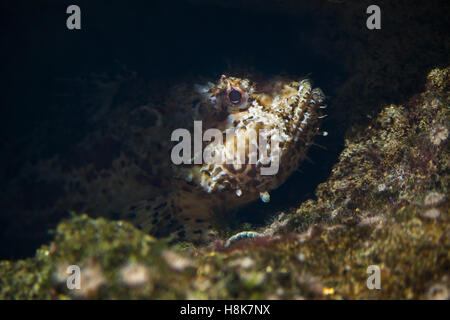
(290, 108)
(123, 168)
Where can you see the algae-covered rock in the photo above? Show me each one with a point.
(384, 204)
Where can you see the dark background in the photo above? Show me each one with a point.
(154, 38)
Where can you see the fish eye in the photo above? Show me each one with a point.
(235, 96)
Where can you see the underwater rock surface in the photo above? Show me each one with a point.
(385, 203)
